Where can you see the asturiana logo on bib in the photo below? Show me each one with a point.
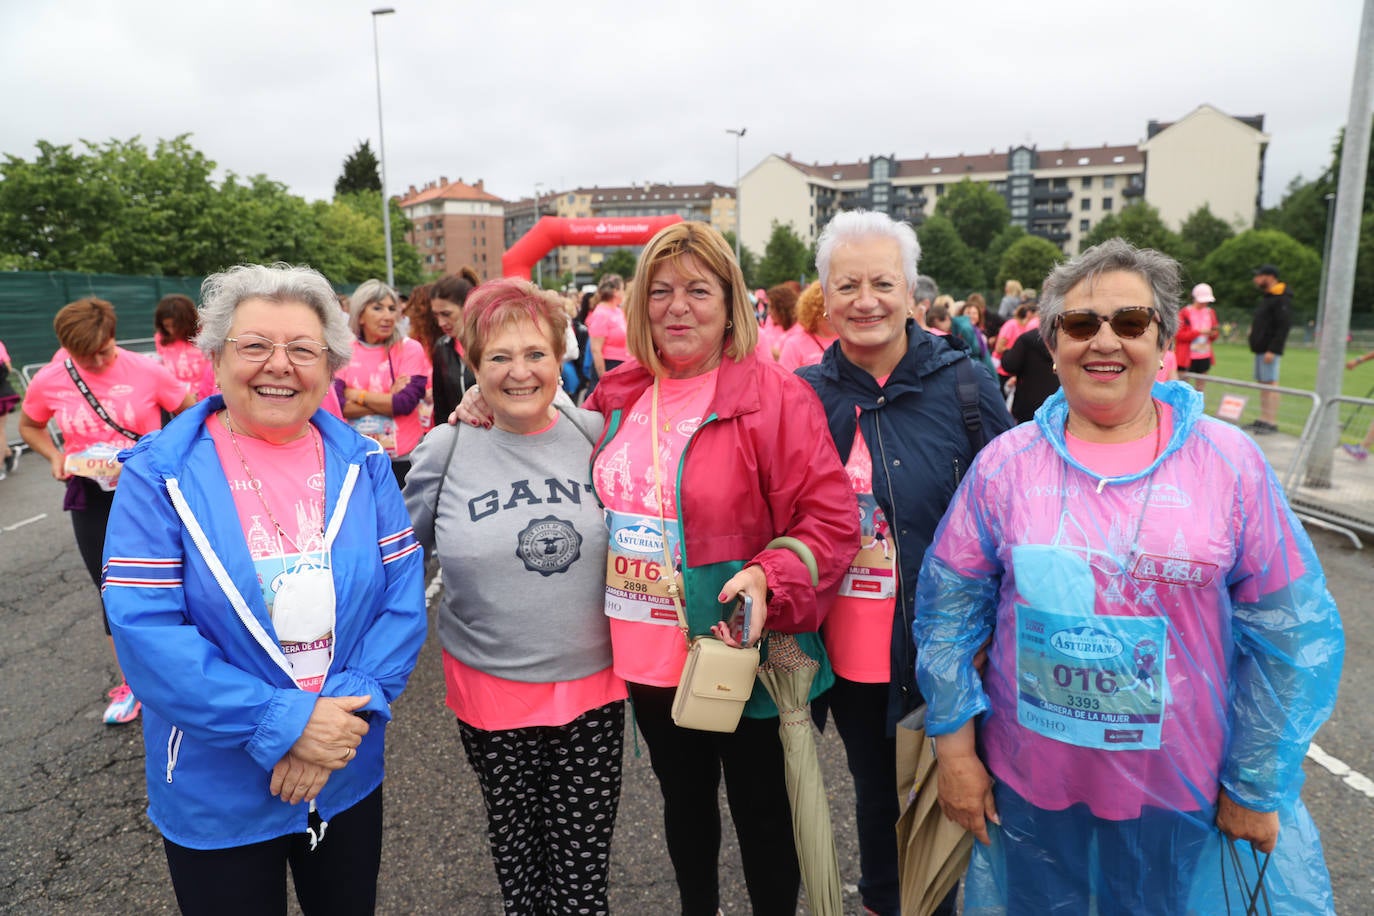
(640, 538)
(1086, 643)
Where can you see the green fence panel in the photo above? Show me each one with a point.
(30, 299)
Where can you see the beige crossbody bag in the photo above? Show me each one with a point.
(717, 679)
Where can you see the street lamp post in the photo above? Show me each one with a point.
(381, 145)
(538, 265)
(739, 211)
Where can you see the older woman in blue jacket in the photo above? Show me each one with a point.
(907, 411)
(265, 593)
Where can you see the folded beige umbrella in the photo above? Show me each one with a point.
(933, 850)
(787, 673)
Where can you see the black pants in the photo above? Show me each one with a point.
(860, 713)
(89, 525)
(688, 765)
(338, 877)
(551, 794)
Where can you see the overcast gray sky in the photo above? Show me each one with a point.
(588, 92)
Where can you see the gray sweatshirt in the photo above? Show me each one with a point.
(521, 541)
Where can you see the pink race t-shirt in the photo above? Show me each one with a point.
(647, 646)
(278, 492)
(131, 389)
(802, 349)
(184, 360)
(1121, 459)
(608, 322)
(858, 629)
(376, 369)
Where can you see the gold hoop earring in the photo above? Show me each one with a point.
(729, 325)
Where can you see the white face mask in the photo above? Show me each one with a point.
(303, 609)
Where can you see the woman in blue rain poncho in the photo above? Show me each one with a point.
(1163, 646)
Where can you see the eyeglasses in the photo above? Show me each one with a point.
(1127, 323)
(302, 351)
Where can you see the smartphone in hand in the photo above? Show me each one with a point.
(746, 609)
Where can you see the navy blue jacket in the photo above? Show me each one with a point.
(921, 450)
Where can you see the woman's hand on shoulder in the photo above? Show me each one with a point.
(472, 410)
(1259, 828)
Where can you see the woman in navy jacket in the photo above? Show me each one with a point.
(907, 434)
(267, 660)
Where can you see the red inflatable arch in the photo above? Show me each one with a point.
(552, 231)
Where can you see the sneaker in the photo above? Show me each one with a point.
(1358, 452)
(1261, 428)
(124, 706)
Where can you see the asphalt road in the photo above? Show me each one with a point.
(75, 838)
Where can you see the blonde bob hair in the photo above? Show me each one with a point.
(712, 253)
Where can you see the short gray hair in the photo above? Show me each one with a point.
(926, 289)
(852, 225)
(1157, 269)
(222, 293)
(368, 292)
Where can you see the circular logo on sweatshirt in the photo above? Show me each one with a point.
(548, 545)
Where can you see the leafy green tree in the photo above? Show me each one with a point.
(1028, 260)
(360, 172)
(622, 261)
(977, 212)
(749, 262)
(1140, 225)
(258, 221)
(946, 258)
(1202, 233)
(991, 259)
(786, 257)
(1302, 213)
(115, 208)
(1230, 269)
(122, 207)
(352, 245)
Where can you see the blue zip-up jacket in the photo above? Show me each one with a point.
(915, 431)
(196, 642)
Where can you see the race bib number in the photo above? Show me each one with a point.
(871, 573)
(378, 428)
(636, 581)
(97, 462)
(1094, 682)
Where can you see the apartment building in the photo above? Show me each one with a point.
(454, 223)
(1207, 157)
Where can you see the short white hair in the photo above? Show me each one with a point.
(852, 225)
(221, 294)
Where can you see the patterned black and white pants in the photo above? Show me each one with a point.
(551, 794)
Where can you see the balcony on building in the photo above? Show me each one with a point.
(1052, 193)
(1057, 234)
(1045, 214)
(1134, 189)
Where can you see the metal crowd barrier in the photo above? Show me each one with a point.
(1333, 490)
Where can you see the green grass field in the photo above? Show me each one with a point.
(1298, 371)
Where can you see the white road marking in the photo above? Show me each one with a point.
(1352, 778)
(27, 521)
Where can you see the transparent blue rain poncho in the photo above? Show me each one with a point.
(1155, 638)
